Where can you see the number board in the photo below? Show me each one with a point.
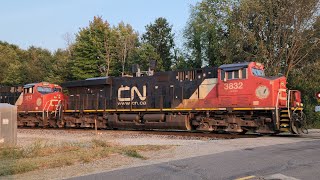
(231, 86)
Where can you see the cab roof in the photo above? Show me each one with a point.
(235, 66)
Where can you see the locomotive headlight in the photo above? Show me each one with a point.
(318, 95)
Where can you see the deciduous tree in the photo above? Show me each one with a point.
(277, 32)
(160, 36)
(90, 53)
(206, 32)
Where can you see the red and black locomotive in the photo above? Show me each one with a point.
(231, 98)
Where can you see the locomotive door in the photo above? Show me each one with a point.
(177, 96)
(158, 97)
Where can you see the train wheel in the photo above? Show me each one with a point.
(243, 132)
(298, 123)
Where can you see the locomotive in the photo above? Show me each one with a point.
(233, 98)
(39, 104)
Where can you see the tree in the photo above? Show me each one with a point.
(306, 78)
(37, 63)
(60, 67)
(90, 55)
(278, 33)
(180, 62)
(160, 36)
(127, 40)
(142, 56)
(69, 40)
(7, 55)
(10, 65)
(207, 31)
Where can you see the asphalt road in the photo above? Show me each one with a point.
(287, 161)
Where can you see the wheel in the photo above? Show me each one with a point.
(244, 131)
(304, 130)
(298, 123)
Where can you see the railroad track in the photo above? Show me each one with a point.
(182, 134)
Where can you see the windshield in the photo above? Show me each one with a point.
(44, 90)
(258, 72)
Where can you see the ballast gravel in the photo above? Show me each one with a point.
(178, 148)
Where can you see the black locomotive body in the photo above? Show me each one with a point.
(144, 102)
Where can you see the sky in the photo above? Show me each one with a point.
(43, 23)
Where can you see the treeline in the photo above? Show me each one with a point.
(282, 34)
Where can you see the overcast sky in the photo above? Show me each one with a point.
(44, 22)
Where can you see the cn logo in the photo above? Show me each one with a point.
(134, 91)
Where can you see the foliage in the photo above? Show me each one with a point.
(10, 65)
(307, 80)
(160, 36)
(127, 41)
(206, 32)
(89, 50)
(142, 56)
(35, 64)
(278, 33)
(180, 62)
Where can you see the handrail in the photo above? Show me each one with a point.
(277, 111)
(49, 107)
(43, 110)
(57, 108)
(288, 103)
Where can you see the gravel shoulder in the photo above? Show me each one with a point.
(178, 148)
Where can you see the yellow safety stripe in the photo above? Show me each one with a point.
(168, 109)
(246, 109)
(165, 109)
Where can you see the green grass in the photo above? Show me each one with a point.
(39, 155)
(133, 153)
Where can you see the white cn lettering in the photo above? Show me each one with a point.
(134, 91)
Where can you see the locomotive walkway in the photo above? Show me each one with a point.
(299, 160)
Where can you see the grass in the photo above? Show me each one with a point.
(39, 155)
(133, 153)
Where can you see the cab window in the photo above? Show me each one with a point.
(222, 74)
(28, 90)
(230, 74)
(244, 73)
(57, 90)
(235, 74)
(258, 72)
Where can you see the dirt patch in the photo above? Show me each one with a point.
(41, 155)
(132, 149)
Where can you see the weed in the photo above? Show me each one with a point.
(99, 143)
(16, 167)
(133, 153)
(8, 152)
(15, 160)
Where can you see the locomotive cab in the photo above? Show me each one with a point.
(245, 85)
(40, 97)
